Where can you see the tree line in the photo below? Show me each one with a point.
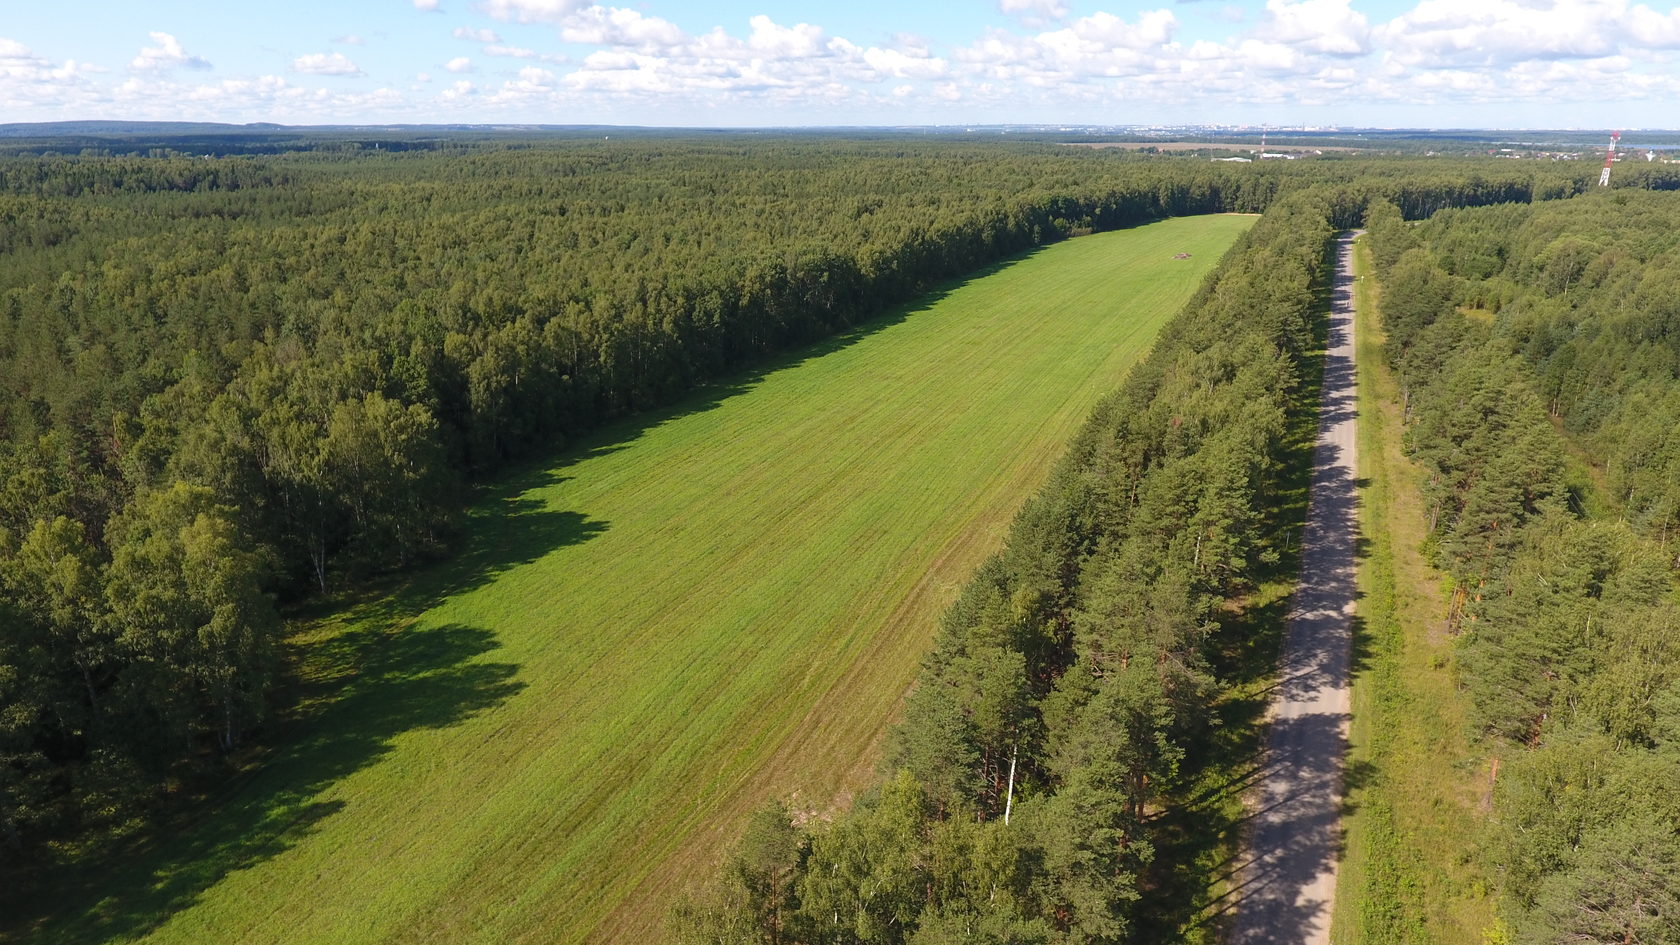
(1520, 332)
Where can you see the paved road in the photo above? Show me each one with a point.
(1295, 836)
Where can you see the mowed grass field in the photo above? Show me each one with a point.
(547, 738)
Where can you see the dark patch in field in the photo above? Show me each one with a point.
(386, 682)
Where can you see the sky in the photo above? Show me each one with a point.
(743, 63)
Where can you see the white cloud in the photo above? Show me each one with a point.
(1039, 9)
(429, 6)
(510, 52)
(477, 36)
(459, 64)
(1102, 31)
(1100, 45)
(615, 26)
(899, 65)
(29, 82)
(252, 98)
(785, 42)
(1331, 27)
(325, 64)
(351, 40)
(775, 63)
(533, 85)
(167, 54)
(19, 61)
(1652, 30)
(534, 11)
(1472, 33)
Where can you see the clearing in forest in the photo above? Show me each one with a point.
(547, 737)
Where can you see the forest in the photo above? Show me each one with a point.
(1530, 340)
(230, 385)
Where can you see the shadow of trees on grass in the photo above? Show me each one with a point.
(393, 682)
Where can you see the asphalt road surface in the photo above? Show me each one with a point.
(1289, 881)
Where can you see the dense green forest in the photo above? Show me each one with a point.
(1071, 674)
(305, 360)
(227, 384)
(1526, 337)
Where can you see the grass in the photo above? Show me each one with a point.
(548, 737)
(1411, 872)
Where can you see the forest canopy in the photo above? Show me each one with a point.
(227, 384)
(1539, 353)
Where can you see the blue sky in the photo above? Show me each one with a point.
(1419, 63)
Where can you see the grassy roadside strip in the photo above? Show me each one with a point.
(1417, 787)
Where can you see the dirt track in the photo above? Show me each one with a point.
(1289, 881)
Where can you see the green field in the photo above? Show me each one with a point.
(548, 737)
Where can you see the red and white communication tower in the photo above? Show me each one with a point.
(1610, 155)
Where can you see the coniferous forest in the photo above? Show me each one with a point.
(1538, 349)
(232, 387)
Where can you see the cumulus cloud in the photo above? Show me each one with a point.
(459, 64)
(19, 61)
(614, 26)
(166, 54)
(786, 42)
(901, 65)
(325, 64)
(477, 36)
(1471, 33)
(1331, 27)
(427, 6)
(533, 86)
(1100, 45)
(29, 81)
(154, 95)
(644, 55)
(1037, 9)
(535, 11)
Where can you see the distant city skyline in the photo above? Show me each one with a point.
(726, 63)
